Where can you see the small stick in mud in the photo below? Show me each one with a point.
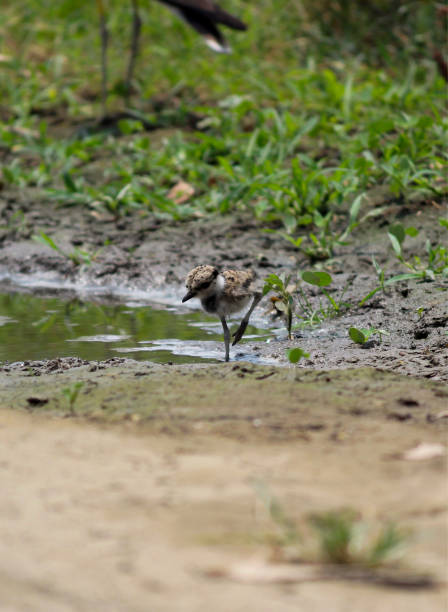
(224, 293)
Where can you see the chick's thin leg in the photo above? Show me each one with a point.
(226, 336)
(242, 328)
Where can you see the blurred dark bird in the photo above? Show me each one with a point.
(204, 16)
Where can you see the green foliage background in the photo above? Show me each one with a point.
(320, 103)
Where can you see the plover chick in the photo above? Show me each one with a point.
(224, 293)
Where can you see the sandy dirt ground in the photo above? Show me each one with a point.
(155, 508)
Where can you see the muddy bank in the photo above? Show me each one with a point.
(146, 259)
(143, 251)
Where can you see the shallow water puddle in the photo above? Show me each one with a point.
(35, 328)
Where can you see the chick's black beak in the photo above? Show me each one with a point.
(188, 295)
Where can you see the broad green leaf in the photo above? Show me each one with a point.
(412, 231)
(273, 279)
(356, 335)
(295, 354)
(266, 289)
(319, 279)
(398, 231)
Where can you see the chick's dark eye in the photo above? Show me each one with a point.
(205, 285)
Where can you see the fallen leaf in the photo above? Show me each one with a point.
(181, 192)
(260, 572)
(424, 451)
(101, 216)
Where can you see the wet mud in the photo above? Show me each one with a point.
(147, 257)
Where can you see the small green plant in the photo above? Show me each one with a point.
(288, 531)
(436, 263)
(322, 242)
(380, 274)
(387, 545)
(71, 393)
(281, 286)
(327, 238)
(336, 532)
(296, 242)
(362, 335)
(343, 538)
(341, 533)
(311, 315)
(17, 222)
(403, 175)
(77, 256)
(437, 256)
(117, 199)
(381, 280)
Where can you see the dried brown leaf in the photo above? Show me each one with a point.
(423, 451)
(181, 192)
